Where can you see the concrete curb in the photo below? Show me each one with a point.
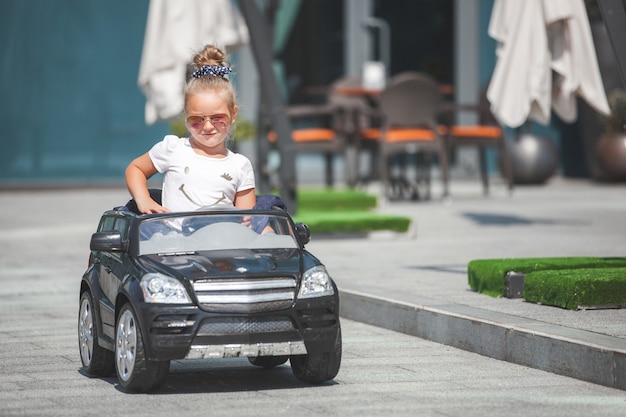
(580, 354)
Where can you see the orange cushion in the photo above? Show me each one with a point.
(401, 135)
(476, 131)
(307, 135)
(370, 134)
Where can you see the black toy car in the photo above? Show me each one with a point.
(205, 284)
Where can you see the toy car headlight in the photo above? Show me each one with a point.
(159, 288)
(316, 283)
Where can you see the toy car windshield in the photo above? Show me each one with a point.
(206, 232)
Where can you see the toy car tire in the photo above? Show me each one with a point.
(134, 371)
(316, 368)
(96, 360)
(268, 362)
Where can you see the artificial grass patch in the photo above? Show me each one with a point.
(487, 275)
(568, 282)
(351, 221)
(330, 200)
(344, 211)
(577, 288)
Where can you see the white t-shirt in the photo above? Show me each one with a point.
(192, 181)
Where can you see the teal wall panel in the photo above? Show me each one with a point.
(70, 107)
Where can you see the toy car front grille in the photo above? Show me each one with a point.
(219, 326)
(245, 295)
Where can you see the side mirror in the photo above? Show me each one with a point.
(110, 241)
(303, 232)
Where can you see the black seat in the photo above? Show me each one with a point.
(155, 194)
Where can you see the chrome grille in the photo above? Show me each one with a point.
(218, 326)
(245, 295)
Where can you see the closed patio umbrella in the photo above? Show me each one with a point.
(174, 31)
(545, 59)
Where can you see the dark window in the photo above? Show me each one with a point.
(313, 55)
(121, 225)
(422, 36)
(107, 224)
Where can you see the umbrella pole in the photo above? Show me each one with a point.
(261, 48)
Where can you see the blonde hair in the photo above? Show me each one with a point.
(211, 55)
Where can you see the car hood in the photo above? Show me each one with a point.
(225, 263)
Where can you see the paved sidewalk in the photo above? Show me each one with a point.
(417, 283)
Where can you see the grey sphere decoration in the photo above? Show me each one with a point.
(534, 158)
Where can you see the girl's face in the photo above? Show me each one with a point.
(208, 121)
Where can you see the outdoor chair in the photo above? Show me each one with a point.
(408, 108)
(355, 113)
(328, 129)
(487, 133)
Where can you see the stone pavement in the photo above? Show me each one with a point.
(414, 283)
(417, 283)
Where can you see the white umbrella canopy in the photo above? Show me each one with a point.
(175, 30)
(546, 58)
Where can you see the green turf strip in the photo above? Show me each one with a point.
(487, 275)
(351, 221)
(577, 288)
(344, 211)
(331, 200)
(568, 282)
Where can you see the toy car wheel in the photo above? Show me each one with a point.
(134, 371)
(268, 362)
(96, 360)
(315, 368)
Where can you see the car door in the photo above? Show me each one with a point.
(111, 272)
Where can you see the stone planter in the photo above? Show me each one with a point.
(611, 156)
(534, 159)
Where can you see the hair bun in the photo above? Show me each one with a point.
(210, 55)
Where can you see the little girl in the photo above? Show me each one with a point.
(199, 171)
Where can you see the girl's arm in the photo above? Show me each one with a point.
(137, 174)
(245, 199)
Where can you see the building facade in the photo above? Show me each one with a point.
(72, 111)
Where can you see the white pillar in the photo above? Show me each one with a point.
(466, 54)
(356, 50)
